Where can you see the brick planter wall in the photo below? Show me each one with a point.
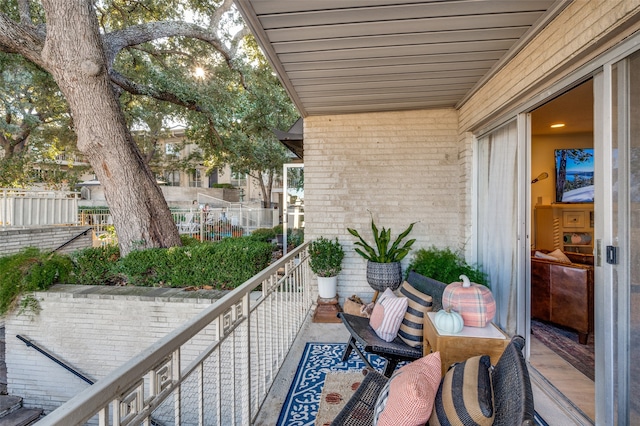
(94, 329)
(45, 238)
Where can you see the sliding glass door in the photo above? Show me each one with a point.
(620, 252)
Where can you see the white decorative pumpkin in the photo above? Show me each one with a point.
(473, 301)
(449, 321)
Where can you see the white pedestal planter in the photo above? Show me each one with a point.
(327, 287)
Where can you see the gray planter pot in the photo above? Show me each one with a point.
(381, 276)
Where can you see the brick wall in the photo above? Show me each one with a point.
(401, 166)
(45, 238)
(94, 331)
(581, 30)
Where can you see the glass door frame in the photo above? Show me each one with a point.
(611, 351)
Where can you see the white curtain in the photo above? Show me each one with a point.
(497, 219)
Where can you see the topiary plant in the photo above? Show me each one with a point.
(445, 265)
(325, 257)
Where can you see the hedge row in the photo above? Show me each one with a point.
(222, 265)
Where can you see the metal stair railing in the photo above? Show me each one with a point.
(53, 358)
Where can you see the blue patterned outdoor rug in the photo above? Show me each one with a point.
(303, 400)
(301, 406)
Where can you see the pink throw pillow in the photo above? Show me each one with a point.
(412, 392)
(387, 315)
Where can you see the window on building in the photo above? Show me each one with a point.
(171, 149)
(238, 179)
(172, 178)
(195, 179)
(213, 178)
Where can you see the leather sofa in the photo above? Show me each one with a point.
(562, 293)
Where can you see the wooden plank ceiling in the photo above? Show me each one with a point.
(348, 56)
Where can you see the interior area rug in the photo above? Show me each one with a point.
(339, 387)
(318, 359)
(565, 343)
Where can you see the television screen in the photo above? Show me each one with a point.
(574, 175)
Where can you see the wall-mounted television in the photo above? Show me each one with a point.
(574, 175)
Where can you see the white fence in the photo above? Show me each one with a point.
(211, 225)
(27, 208)
(225, 383)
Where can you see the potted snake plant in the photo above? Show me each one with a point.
(325, 260)
(383, 257)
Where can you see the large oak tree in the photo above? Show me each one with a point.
(82, 43)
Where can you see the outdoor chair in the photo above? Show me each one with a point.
(397, 350)
(512, 394)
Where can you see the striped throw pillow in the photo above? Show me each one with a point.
(465, 395)
(411, 330)
(387, 315)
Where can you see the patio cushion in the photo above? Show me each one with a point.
(411, 330)
(411, 391)
(465, 395)
(387, 315)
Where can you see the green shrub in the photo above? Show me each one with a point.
(28, 271)
(222, 265)
(326, 257)
(444, 265)
(148, 267)
(295, 237)
(188, 240)
(96, 266)
(238, 260)
(263, 234)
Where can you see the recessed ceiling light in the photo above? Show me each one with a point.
(557, 125)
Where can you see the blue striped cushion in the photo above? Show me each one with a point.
(411, 329)
(465, 395)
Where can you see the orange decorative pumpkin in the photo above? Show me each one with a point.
(472, 301)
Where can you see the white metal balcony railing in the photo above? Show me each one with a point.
(214, 370)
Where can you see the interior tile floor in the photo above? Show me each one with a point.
(549, 403)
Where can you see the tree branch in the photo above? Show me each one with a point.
(25, 40)
(24, 6)
(115, 41)
(138, 89)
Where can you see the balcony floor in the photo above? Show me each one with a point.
(548, 404)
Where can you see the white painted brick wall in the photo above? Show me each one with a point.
(402, 166)
(45, 238)
(93, 333)
(580, 32)
(582, 26)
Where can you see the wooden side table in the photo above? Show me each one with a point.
(471, 341)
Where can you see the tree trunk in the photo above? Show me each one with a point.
(265, 189)
(74, 55)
